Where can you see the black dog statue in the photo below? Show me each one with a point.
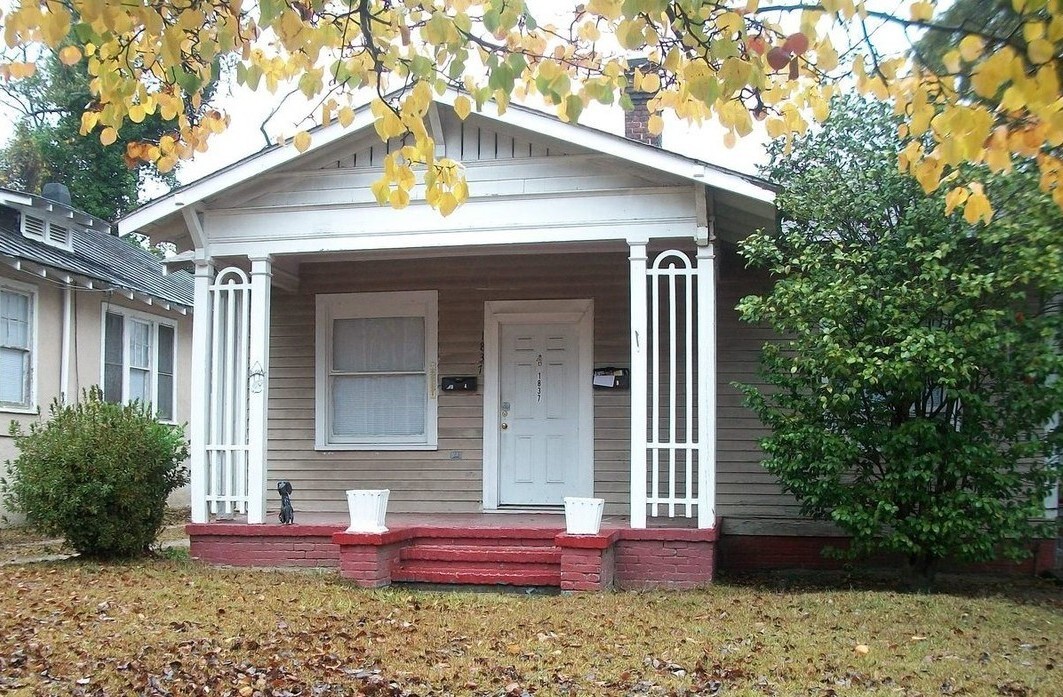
(287, 512)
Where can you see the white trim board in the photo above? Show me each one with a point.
(499, 312)
(525, 119)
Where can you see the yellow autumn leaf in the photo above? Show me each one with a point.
(136, 113)
(345, 116)
(69, 55)
(381, 191)
(301, 141)
(977, 208)
(108, 136)
(462, 106)
(1040, 51)
(921, 11)
(954, 198)
(971, 47)
(655, 125)
(89, 119)
(448, 202)
(399, 198)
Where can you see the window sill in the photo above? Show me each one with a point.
(24, 411)
(326, 448)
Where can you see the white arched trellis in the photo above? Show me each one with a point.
(673, 385)
(227, 445)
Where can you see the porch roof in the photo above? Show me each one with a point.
(758, 192)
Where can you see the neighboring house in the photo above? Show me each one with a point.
(80, 306)
(569, 331)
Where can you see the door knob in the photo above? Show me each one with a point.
(504, 426)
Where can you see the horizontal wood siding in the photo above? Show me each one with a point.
(744, 489)
(427, 482)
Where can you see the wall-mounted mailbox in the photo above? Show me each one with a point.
(466, 384)
(612, 379)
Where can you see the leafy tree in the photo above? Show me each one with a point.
(47, 146)
(732, 60)
(909, 401)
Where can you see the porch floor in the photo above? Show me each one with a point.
(492, 520)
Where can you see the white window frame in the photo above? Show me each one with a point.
(30, 407)
(337, 306)
(154, 321)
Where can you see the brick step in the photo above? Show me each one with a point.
(498, 555)
(477, 577)
(517, 537)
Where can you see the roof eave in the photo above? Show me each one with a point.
(521, 117)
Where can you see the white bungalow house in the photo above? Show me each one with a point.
(569, 331)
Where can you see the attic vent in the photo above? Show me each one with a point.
(33, 227)
(59, 235)
(47, 231)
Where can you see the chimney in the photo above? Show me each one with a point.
(637, 121)
(54, 191)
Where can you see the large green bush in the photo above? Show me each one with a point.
(98, 474)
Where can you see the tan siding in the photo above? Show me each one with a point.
(85, 347)
(433, 482)
(744, 488)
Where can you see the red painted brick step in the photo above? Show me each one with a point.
(499, 577)
(472, 553)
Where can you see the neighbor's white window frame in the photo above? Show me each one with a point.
(129, 315)
(334, 306)
(29, 290)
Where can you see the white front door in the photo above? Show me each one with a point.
(539, 424)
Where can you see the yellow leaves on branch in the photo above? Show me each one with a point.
(734, 61)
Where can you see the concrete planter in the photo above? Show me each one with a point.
(367, 507)
(583, 516)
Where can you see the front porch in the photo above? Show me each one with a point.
(523, 549)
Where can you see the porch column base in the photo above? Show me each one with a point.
(367, 559)
(587, 561)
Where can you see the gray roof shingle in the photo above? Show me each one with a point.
(101, 256)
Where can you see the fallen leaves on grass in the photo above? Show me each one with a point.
(179, 629)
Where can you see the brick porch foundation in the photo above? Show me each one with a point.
(621, 558)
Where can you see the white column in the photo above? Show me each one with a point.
(199, 396)
(64, 360)
(639, 322)
(258, 389)
(706, 352)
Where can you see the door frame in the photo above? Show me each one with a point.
(579, 312)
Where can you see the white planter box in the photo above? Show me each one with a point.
(367, 508)
(583, 516)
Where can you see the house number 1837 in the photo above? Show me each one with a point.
(539, 380)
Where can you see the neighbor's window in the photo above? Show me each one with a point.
(16, 349)
(376, 370)
(138, 360)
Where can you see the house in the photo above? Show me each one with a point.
(80, 306)
(569, 331)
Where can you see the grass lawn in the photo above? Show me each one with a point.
(173, 627)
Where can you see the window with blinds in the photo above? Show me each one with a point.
(376, 365)
(16, 349)
(138, 361)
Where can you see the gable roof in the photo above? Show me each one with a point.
(651, 157)
(95, 254)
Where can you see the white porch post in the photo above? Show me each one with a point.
(258, 388)
(706, 352)
(639, 342)
(199, 396)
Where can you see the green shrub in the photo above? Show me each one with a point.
(98, 474)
